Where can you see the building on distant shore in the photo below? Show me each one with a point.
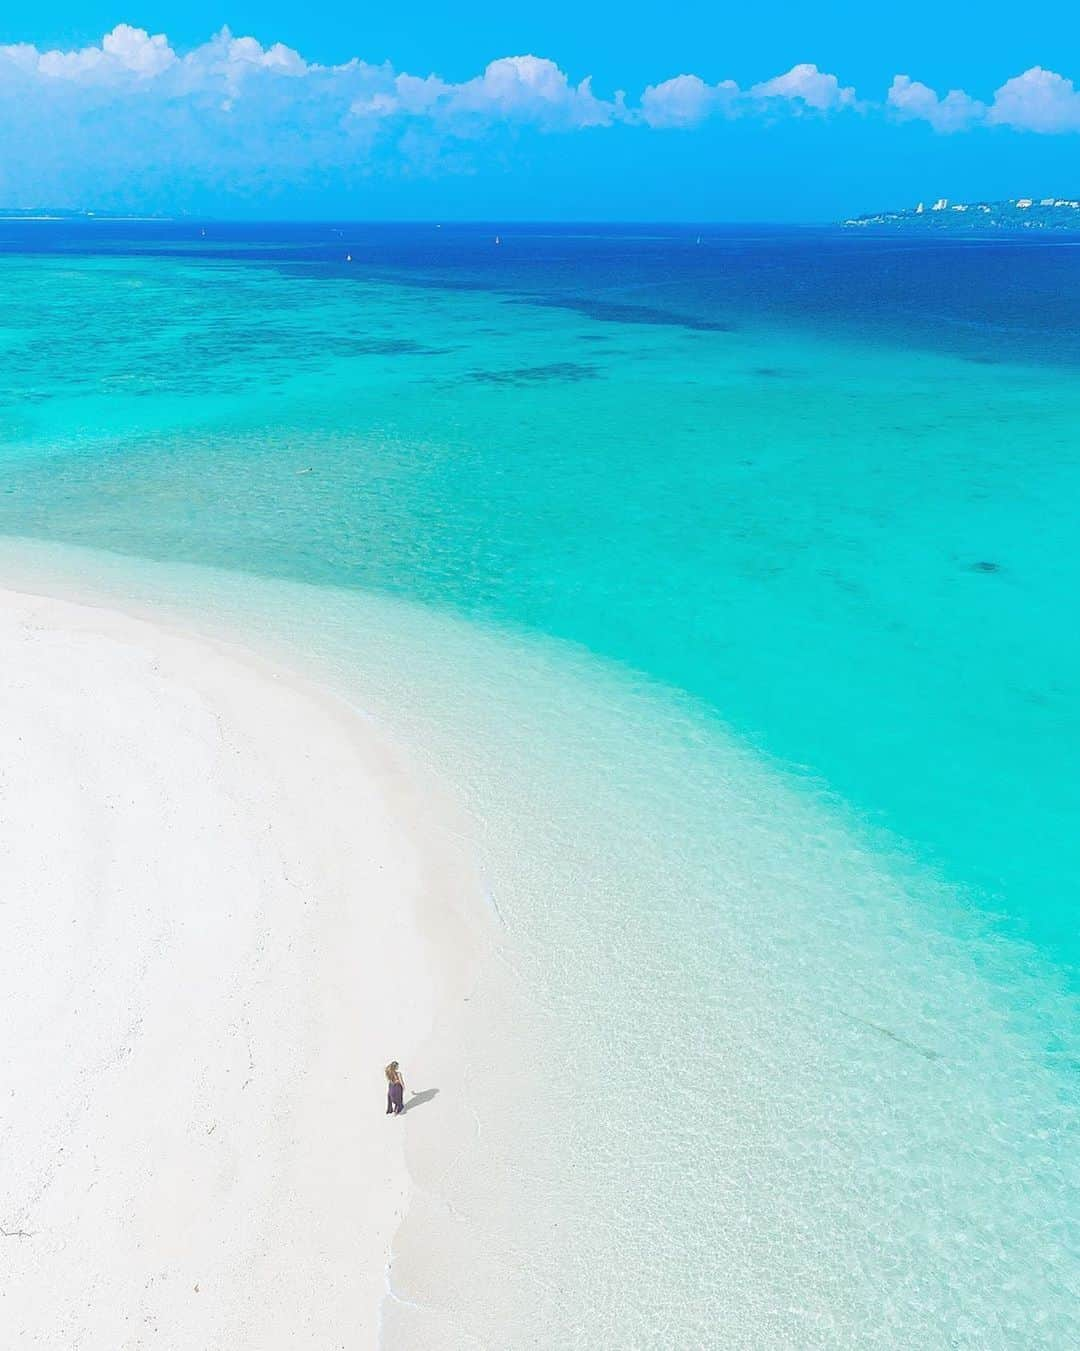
(1018, 213)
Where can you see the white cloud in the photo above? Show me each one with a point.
(1038, 100)
(513, 89)
(124, 52)
(228, 64)
(531, 89)
(130, 63)
(379, 104)
(807, 85)
(417, 96)
(137, 51)
(955, 112)
(130, 115)
(685, 101)
(522, 90)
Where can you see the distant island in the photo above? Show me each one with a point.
(67, 213)
(1019, 213)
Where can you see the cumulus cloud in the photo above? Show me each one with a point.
(131, 112)
(1038, 100)
(137, 51)
(686, 101)
(513, 90)
(124, 52)
(535, 90)
(132, 115)
(522, 89)
(806, 85)
(955, 112)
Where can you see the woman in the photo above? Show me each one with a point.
(395, 1090)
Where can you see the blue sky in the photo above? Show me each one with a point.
(680, 111)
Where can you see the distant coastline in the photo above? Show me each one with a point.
(8, 213)
(945, 216)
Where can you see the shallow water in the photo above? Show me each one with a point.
(781, 831)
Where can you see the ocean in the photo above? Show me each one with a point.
(727, 575)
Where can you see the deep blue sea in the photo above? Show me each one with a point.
(729, 575)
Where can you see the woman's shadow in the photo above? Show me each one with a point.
(418, 1098)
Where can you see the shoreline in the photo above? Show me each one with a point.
(211, 963)
(869, 1042)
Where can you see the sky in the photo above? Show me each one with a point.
(646, 111)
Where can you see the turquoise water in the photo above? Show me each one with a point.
(733, 588)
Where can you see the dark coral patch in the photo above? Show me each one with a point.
(566, 371)
(389, 347)
(615, 312)
(624, 312)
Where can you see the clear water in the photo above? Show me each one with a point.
(733, 586)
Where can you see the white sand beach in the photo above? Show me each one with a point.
(212, 883)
